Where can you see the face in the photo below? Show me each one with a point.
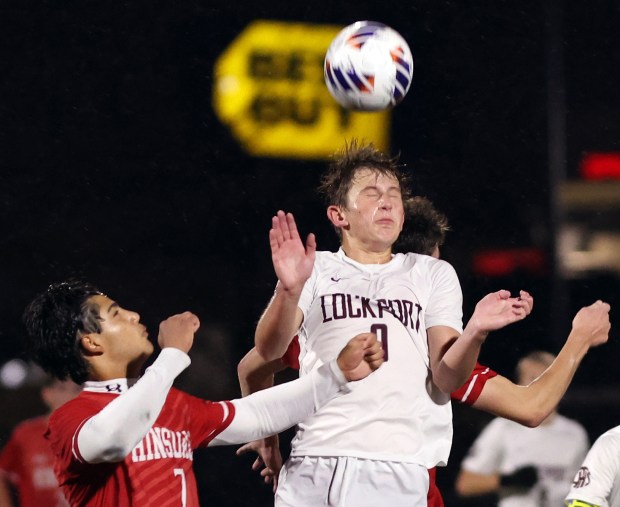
(122, 337)
(374, 215)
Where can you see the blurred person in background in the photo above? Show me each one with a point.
(525, 467)
(27, 462)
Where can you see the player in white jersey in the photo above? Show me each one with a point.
(597, 483)
(374, 447)
(526, 467)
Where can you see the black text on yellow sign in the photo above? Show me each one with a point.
(269, 90)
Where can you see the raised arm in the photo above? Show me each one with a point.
(532, 404)
(292, 262)
(110, 435)
(453, 357)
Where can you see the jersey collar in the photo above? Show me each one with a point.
(114, 386)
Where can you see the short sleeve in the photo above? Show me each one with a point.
(207, 419)
(469, 392)
(445, 307)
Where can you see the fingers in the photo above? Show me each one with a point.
(525, 296)
(291, 231)
(244, 448)
(311, 244)
(602, 305)
(503, 294)
(284, 227)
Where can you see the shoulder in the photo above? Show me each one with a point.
(29, 426)
(326, 258)
(85, 404)
(610, 437)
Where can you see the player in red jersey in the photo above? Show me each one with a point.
(129, 441)
(26, 461)
(485, 389)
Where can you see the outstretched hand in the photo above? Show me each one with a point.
(361, 356)
(292, 261)
(269, 459)
(499, 309)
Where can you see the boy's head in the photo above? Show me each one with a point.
(425, 228)
(54, 322)
(364, 191)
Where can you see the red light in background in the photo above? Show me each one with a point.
(505, 262)
(600, 166)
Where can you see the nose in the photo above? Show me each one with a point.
(385, 203)
(134, 317)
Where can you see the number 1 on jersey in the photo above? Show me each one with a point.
(381, 331)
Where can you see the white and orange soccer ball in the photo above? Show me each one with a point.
(368, 67)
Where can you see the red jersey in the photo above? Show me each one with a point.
(158, 472)
(28, 462)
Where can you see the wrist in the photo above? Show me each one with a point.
(288, 292)
(577, 344)
(475, 331)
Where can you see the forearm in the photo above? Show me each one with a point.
(273, 410)
(532, 404)
(256, 374)
(278, 324)
(473, 484)
(110, 435)
(458, 359)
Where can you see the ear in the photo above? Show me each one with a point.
(337, 217)
(91, 344)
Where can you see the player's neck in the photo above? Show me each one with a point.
(365, 255)
(100, 371)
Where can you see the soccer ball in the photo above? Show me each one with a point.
(368, 66)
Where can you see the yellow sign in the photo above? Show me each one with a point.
(269, 90)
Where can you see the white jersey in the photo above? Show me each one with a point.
(396, 414)
(556, 450)
(598, 480)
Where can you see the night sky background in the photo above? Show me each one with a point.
(115, 168)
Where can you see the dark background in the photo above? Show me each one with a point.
(115, 168)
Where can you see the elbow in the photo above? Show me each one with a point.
(526, 415)
(118, 447)
(112, 449)
(243, 368)
(268, 352)
(446, 385)
(533, 419)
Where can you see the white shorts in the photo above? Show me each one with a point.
(310, 481)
